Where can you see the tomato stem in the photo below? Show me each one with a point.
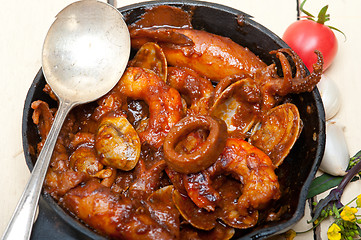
(322, 17)
(306, 12)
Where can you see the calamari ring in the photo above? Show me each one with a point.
(205, 154)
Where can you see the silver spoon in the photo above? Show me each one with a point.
(84, 55)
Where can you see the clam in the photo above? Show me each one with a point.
(219, 232)
(237, 106)
(278, 132)
(151, 56)
(163, 209)
(84, 159)
(197, 217)
(117, 143)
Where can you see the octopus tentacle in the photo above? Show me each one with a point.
(307, 84)
(287, 72)
(299, 83)
(300, 67)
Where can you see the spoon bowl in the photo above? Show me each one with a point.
(85, 53)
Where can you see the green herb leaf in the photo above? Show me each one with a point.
(322, 184)
(325, 182)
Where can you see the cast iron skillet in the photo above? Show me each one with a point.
(298, 169)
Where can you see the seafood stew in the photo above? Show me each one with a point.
(154, 154)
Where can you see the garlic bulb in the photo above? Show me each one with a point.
(336, 157)
(330, 95)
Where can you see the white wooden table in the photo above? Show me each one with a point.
(24, 25)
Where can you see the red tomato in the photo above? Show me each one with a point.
(305, 36)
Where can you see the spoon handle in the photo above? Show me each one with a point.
(21, 223)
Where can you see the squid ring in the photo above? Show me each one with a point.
(204, 155)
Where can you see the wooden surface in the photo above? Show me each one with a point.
(25, 24)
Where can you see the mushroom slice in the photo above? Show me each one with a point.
(238, 106)
(197, 217)
(164, 211)
(228, 212)
(278, 132)
(117, 143)
(151, 56)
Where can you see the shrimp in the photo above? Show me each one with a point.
(248, 165)
(165, 103)
(254, 169)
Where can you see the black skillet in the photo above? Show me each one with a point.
(296, 172)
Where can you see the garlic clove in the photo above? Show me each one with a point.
(331, 96)
(336, 157)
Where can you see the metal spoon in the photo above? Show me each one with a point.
(84, 55)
